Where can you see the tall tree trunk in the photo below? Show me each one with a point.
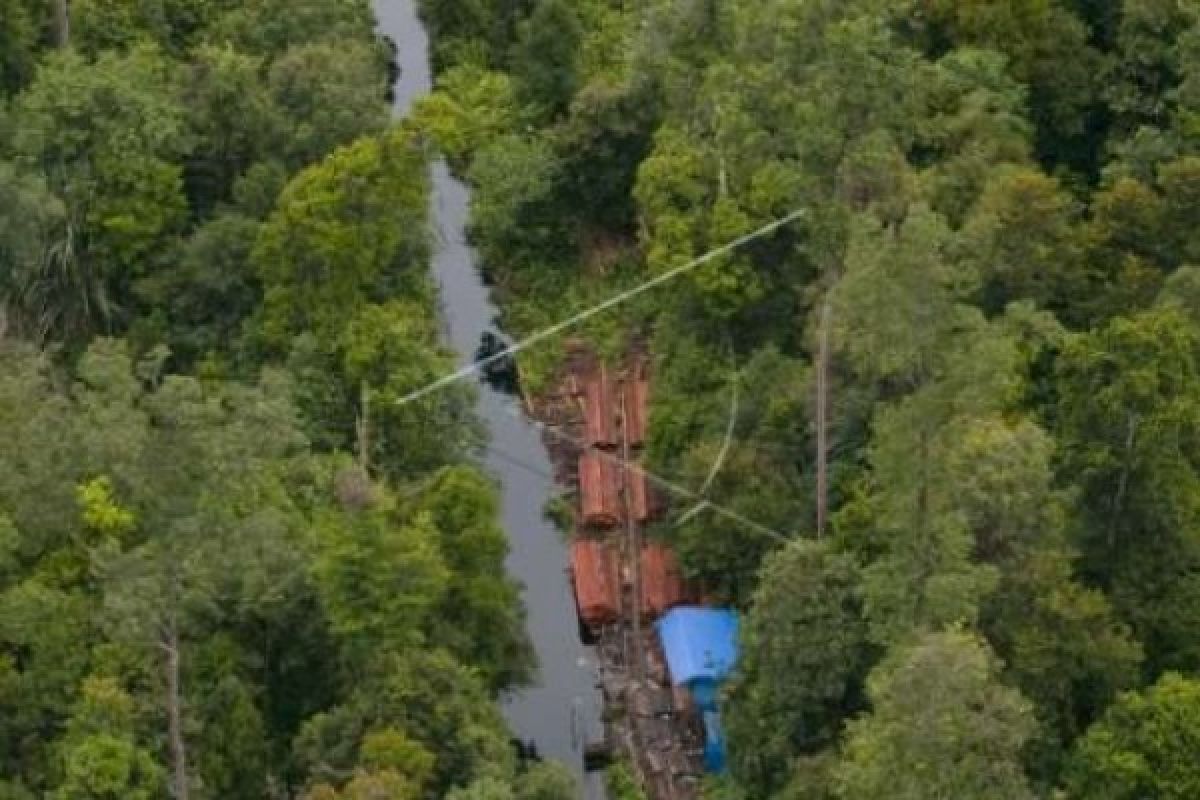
(62, 23)
(175, 741)
(823, 417)
(364, 430)
(1118, 501)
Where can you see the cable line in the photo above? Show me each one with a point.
(701, 503)
(615, 300)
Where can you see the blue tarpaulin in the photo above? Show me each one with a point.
(714, 743)
(701, 649)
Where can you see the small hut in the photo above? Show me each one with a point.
(598, 490)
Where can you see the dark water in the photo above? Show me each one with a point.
(562, 710)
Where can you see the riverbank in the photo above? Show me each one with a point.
(561, 710)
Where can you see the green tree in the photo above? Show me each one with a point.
(1022, 235)
(479, 616)
(19, 23)
(213, 520)
(427, 696)
(1182, 291)
(107, 137)
(1048, 49)
(346, 231)
(803, 652)
(329, 94)
(233, 117)
(1144, 746)
(101, 758)
(1061, 643)
(386, 351)
(269, 27)
(941, 725)
(378, 578)
(904, 328)
(1127, 419)
(977, 122)
(470, 108)
(40, 293)
(545, 57)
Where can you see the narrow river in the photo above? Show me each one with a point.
(561, 711)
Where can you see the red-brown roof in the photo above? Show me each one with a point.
(594, 576)
(598, 490)
(663, 586)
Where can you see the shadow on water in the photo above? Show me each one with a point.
(557, 716)
(500, 374)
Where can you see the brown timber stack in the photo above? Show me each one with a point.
(663, 586)
(599, 421)
(594, 576)
(599, 496)
(637, 407)
(644, 501)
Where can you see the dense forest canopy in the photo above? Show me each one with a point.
(994, 286)
(232, 567)
(220, 576)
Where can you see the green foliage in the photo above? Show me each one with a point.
(343, 630)
(328, 94)
(1144, 746)
(545, 55)
(270, 27)
(377, 579)
(106, 137)
(39, 292)
(479, 617)
(470, 107)
(802, 657)
(430, 698)
(19, 22)
(621, 783)
(101, 760)
(1047, 45)
(1128, 422)
(971, 727)
(345, 232)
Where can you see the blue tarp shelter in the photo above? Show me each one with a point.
(701, 648)
(714, 743)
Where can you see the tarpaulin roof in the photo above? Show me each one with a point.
(700, 643)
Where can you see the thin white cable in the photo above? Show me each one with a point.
(720, 459)
(663, 483)
(729, 428)
(587, 313)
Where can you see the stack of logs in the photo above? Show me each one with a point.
(618, 595)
